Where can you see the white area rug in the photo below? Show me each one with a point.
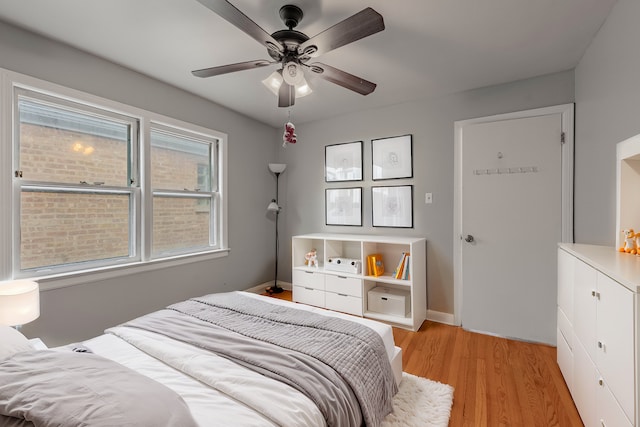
(420, 402)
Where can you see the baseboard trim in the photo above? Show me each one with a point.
(440, 317)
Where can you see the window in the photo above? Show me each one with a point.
(184, 191)
(74, 178)
(80, 200)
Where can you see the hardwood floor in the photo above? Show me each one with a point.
(498, 382)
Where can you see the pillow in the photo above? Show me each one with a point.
(11, 342)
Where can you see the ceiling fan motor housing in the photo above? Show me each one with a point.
(291, 15)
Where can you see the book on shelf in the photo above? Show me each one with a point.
(407, 266)
(375, 265)
(399, 272)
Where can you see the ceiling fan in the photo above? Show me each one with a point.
(294, 49)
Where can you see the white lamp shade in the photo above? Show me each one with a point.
(19, 302)
(274, 81)
(277, 167)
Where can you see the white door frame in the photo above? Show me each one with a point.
(567, 111)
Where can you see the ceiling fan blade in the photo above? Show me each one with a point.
(230, 68)
(234, 16)
(342, 78)
(286, 95)
(362, 24)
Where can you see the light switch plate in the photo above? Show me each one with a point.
(428, 198)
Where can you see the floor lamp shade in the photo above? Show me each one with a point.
(19, 302)
(277, 167)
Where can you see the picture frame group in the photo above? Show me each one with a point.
(392, 205)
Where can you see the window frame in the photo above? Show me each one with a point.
(141, 196)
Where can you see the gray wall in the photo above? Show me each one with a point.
(78, 312)
(607, 112)
(431, 124)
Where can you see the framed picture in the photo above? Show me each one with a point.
(392, 157)
(343, 206)
(392, 206)
(343, 162)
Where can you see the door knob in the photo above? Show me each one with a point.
(469, 238)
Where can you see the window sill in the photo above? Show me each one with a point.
(64, 280)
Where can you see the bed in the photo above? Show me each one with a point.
(229, 359)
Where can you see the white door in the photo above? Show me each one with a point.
(509, 220)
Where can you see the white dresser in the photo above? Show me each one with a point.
(598, 332)
(347, 291)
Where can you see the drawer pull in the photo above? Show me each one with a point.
(342, 277)
(309, 272)
(600, 382)
(309, 289)
(593, 293)
(343, 295)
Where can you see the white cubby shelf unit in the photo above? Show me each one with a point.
(347, 291)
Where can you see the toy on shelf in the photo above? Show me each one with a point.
(630, 241)
(311, 258)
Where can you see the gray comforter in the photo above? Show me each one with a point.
(341, 366)
(67, 389)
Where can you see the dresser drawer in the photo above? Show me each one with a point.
(308, 279)
(565, 327)
(343, 285)
(565, 359)
(308, 296)
(344, 303)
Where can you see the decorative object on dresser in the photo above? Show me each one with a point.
(277, 169)
(343, 162)
(19, 302)
(392, 158)
(630, 241)
(347, 291)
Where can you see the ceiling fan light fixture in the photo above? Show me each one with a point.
(292, 73)
(274, 81)
(303, 89)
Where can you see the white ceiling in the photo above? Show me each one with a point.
(428, 48)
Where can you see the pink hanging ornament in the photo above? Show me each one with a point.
(289, 135)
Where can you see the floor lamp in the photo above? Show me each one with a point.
(277, 169)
